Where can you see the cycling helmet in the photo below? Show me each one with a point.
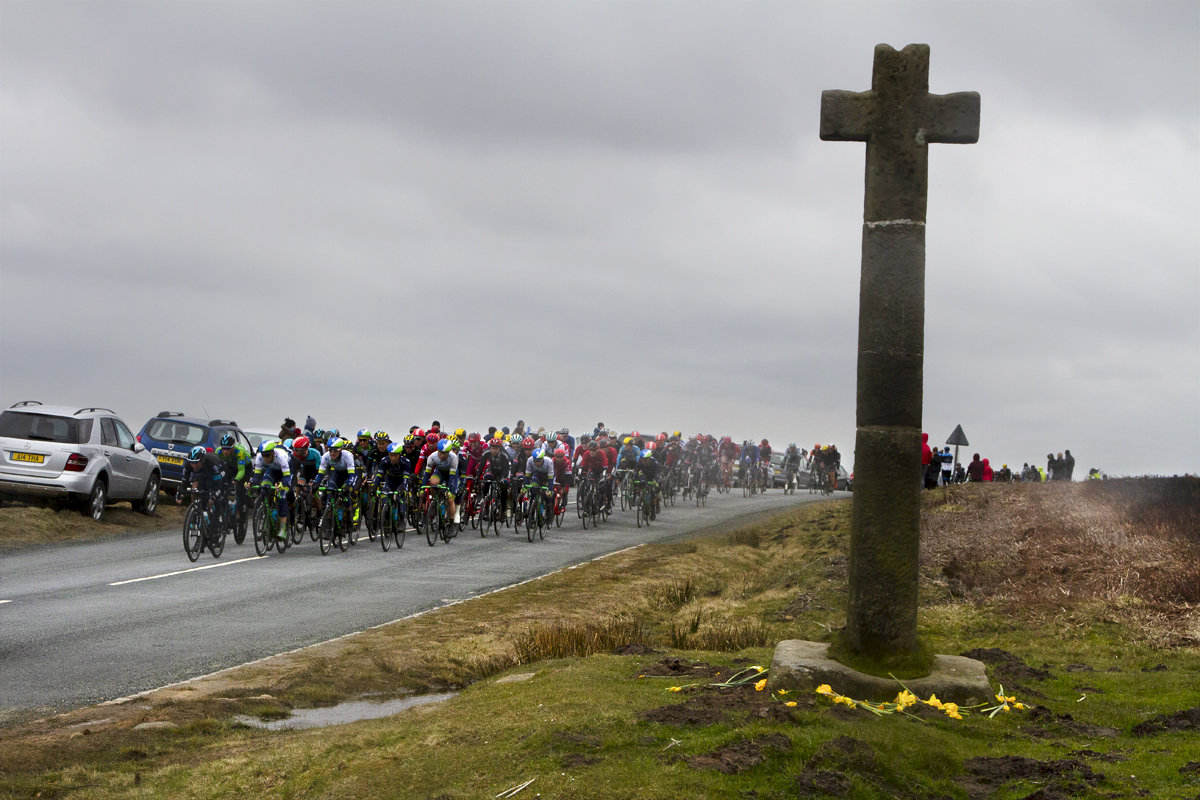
(227, 439)
(395, 447)
(382, 436)
(560, 451)
(728, 440)
(528, 443)
(444, 445)
(593, 445)
(604, 441)
(287, 444)
(647, 454)
(197, 453)
(678, 434)
(267, 447)
(636, 435)
(454, 443)
(515, 439)
(495, 443)
(409, 438)
(674, 438)
(662, 437)
(320, 435)
(301, 443)
(333, 432)
(791, 445)
(628, 440)
(335, 443)
(431, 437)
(764, 443)
(652, 445)
(539, 454)
(420, 434)
(365, 433)
(474, 437)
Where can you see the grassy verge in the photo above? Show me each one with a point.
(544, 697)
(24, 525)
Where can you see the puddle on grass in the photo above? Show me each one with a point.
(351, 711)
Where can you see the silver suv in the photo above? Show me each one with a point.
(87, 455)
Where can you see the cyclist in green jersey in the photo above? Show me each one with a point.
(239, 463)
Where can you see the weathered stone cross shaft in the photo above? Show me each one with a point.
(897, 119)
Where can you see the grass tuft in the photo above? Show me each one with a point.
(577, 639)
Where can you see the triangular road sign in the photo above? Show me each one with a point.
(958, 437)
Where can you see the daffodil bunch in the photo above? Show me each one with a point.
(741, 678)
(1003, 703)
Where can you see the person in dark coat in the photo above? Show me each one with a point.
(975, 470)
(1050, 464)
(1069, 463)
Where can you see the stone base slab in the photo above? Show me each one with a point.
(806, 665)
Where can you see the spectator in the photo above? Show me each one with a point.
(928, 465)
(960, 474)
(1069, 463)
(520, 429)
(975, 469)
(288, 430)
(1006, 475)
(947, 466)
(988, 474)
(1050, 462)
(599, 430)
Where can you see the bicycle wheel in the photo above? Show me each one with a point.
(193, 533)
(341, 525)
(216, 536)
(325, 529)
(431, 523)
(544, 514)
(261, 543)
(353, 521)
(280, 527)
(398, 525)
(530, 522)
(385, 522)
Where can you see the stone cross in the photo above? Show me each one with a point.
(897, 119)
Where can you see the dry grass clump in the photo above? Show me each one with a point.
(22, 525)
(569, 639)
(1039, 547)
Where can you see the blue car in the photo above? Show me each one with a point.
(170, 435)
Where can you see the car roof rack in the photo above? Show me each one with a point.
(169, 414)
(229, 422)
(109, 410)
(24, 403)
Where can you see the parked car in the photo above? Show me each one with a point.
(170, 435)
(85, 455)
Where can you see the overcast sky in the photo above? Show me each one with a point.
(379, 213)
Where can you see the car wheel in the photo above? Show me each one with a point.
(94, 505)
(149, 502)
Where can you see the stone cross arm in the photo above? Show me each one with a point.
(899, 103)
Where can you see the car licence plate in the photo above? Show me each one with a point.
(32, 458)
(168, 460)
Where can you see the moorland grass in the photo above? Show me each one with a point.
(577, 725)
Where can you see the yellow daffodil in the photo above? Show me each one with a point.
(757, 668)
(783, 691)
(905, 699)
(953, 715)
(1019, 706)
(824, 688)
(933, 701)
(758, 687)
(675, 689)
(790, 704)
(950, 708)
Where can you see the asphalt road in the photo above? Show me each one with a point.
(69, 637)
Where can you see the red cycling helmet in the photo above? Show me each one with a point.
(764, 443)
(560, 451)
(636, 435)
(652, 446)
(420, 434)
(662, 437)
(528, 443)
(727, 439)
(431, 437)
(301, 443)
(474, 437)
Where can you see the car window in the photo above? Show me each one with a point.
(245, 441)
(108, 433)
(41, 428)
(124, 437)
(176, 432)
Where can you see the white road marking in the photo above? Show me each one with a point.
(193, 569)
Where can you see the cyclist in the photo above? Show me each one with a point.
(304, 463)
(539, 471)
(392, 469)
(445, 464)
(647, 470)
(205, 471)
(833, 461)
(271, 466)
(238, 462)
(523, 448)
(791, 462)
(564, 476)
(412, 449)
(594, 462)
(764, 459)
(749, 461)
(494, 467)
(338, 465)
